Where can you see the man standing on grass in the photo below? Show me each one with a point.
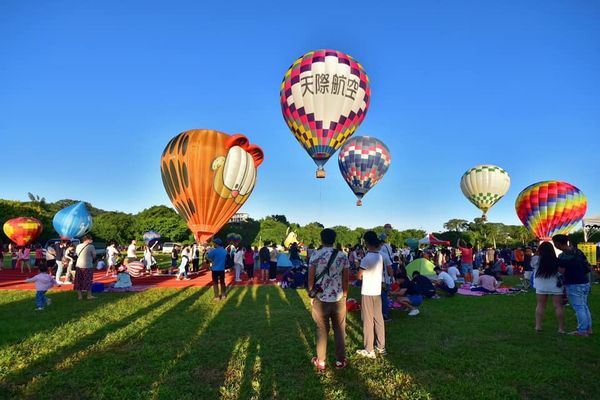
(328, 268)
(131, 252)
(273, 253)
(575, 267)
(84, 271)
(370, 272)
(466, 259)
(218, 258)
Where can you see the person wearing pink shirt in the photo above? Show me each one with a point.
(43, 282)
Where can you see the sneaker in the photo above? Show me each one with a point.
(436, 296)
(320, 365)
(187, 279)
(39, 309)
(365, 353)
(48, 301)
(341, 364)
(382, 352)
(414, 312)
(577, 333)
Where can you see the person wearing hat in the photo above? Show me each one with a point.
(371, 272)
(218, 258)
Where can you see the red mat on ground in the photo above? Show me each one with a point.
(12, 279)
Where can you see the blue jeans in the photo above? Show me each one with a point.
(385, 304)
(578, 298)
(40, 298)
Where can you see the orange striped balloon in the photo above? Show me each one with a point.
(209, 175)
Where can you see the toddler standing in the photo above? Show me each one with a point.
(43, 282)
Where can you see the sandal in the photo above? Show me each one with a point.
(316, 363)
(341, 364)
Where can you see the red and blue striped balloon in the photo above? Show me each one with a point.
(363, 161)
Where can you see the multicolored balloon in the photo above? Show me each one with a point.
(151, 237)
(325, 96)
(209, 175)
(73, 221)
(484, 185)
(234, 238)
(550, 208)
(135, 268)
(363, 161)
(23, 230)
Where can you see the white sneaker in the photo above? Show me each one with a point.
(39, 309)
(365, 353)
(383, 352)
(48, 301)
(414, 312)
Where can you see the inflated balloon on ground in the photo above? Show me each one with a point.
(23, 230)
(325, 96)
(484, 185)
(550, 208)
(209, 175)
(363, 161)
(73, 221)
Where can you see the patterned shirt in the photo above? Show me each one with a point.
(331, 282)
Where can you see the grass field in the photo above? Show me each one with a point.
(178, 344)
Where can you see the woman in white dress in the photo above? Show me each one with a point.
(547, 284)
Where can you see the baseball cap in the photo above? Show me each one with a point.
(217, 241)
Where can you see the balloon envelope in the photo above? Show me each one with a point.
(209, 175)
(550, 208)
(363, 161)
(23, 230)
(73, 221)
(484, 185)
(135, 268)
(325, 96)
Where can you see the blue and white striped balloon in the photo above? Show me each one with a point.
(73, 221)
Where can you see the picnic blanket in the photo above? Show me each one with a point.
(134, 288)
(465, 290)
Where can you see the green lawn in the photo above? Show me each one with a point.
(178, 344)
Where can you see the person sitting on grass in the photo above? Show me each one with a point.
(123, 278)
(423, 285)
(487, 282)
(445, 282)
(407, 295)
(43, 282)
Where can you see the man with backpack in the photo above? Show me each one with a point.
(575, 267)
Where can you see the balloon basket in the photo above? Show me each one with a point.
(320, 173)
(359, 203)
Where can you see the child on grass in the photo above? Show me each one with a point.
(43, 282)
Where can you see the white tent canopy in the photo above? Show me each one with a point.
(591, 226)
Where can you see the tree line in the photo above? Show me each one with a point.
(123, 227)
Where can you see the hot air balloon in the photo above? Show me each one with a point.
(363, 161)
(73, 221)
(209, 175)
(324, 98)
(136, 268)
(23, 230)
(484, 185)
(151, 237)
(549, 208)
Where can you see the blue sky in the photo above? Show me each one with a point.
(91, 92)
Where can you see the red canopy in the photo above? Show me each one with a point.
(432, 240)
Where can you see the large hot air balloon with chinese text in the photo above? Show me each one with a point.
(363, 161)
(23, 230)
(209, 175)
(325, 96)
(73, 221)
(550, 208)
(484, 186)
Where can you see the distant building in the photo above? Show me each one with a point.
(239, 218)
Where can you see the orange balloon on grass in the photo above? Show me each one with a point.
(209, 175)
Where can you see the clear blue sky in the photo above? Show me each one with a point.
(91, 91)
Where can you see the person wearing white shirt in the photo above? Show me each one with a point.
(371, 272)
(131, 252)
(111, 257)
(454, 272)
(238, 262)
(445, 282)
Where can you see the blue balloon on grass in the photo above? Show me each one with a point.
(73, 221)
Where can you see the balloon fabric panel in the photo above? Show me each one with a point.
(325, 95)
(209, 175)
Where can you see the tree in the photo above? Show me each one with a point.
(457, 225)
(115, 226)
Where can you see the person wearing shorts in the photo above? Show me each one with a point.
(264, 257)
